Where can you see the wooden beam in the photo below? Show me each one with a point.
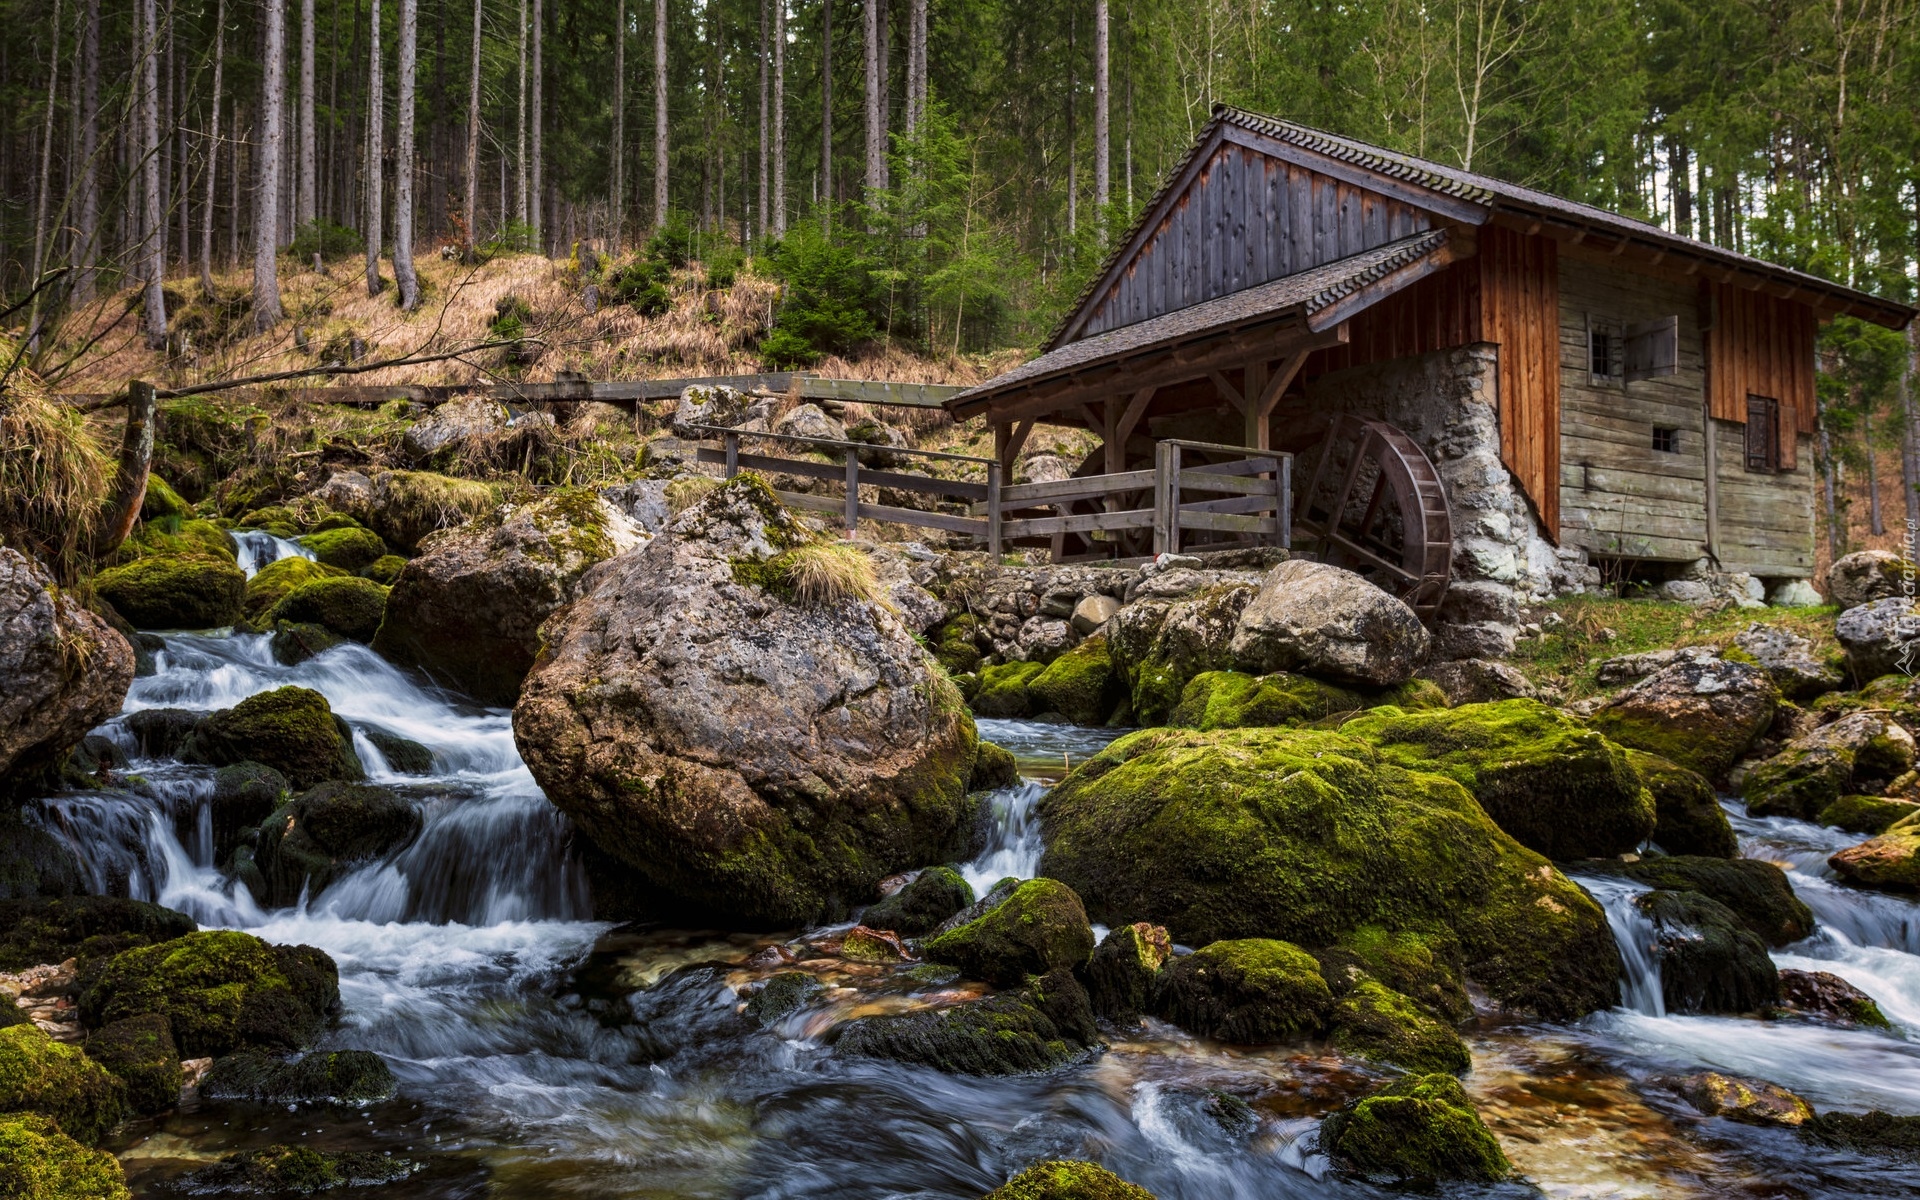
(1253, 419)
(1227, 390)
(1008, 438)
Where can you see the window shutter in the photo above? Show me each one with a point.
(1759, 434)
(1653, 348)
(1787, 433)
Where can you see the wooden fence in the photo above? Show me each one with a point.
(1252, 493)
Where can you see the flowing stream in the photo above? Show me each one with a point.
(542, 1054)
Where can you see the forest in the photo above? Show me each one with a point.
(937, 175)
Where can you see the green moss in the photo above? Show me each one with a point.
(1702, 730)
(40, 1162)
(1065, 1179)
(220, 990)
(319, 836)
(574, 523)
(403, 755)
(385, 569)
(1375, 1022)
(1420, 1130)
(294, 642)
(1556, 786)
(1125, 970)
(994, 767)
(295, 1170)
(349, 606)
(1421, 966)
(1250, 991)
(162, 501)
(1160, 647)
(1038, 927)
(87, 928)
(290, 729)
(1891, 860)
(334, 1077)
(1004, 690)
(1872, 1133)
(140, 1051)
(352, 549)
(955, 644)
(1013, 1033)
(1235, 700)
(1709, 961)
(782, 995)
(174, 591)
(40, 1075)
(1688, 818)
(1309, 836)
(1080, 685)
(920, 907)
(766, 574)
(1866, 814)
(413, 504)
(280, 520)
(273, 581)
(1759, 893)
(174, 536)
(1797, 783)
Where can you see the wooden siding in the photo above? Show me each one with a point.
(1619, 496)
(1760, 345)
(1519, 312)
(1440, 312)
(1765, 518)
(1246, 219)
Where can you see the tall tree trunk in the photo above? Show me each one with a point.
(376, 152)
(329, 173)
(183, 155)
(40, 231)
(164, 127)
(659, 114)
(266, 197)
(617, 200)
(876, 146)
(1875, 524)
(539, 80)
(779, 215)
(87, 202)
(304, 205)
(1073, 105)
(826, 114)
(1677, 171)
(1102, 123)
(916, 65)
(153, 249)
(520, 146)
(213, 147)
(403, 273)
(764, 47)
(472, 205)
(240, 134)
(433, 221)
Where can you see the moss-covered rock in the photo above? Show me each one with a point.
(1866, 814)
(323, 833)
(1416, 965)
(349, 606)
(1688, 818)
(1067, 1179)
(919, 908)
(140, 1051)
(174, 536)
(334, 1077)
(40, 1075)
(782, 995)
(1004, 690)
(994, 767)
(1420, 1130)
(1124, 972)
(1824, 996)
(1038, 927)
(1700, 713)
(1080, 685)
(955, 644)
(291, 729)
(1859, 753)
(1158, 646)
(88, 928)
(294, 642)
(38, 1161)
(1890, 861)
(162, 501)
(271, 583)
(1556, 786)
(403, 754)
(244, 794)
(1709, 961)
(352, 549)
(1309, 836)
(1013, 1033)
(1871, 1133)
(221, 991)
(294, 1171)
(174, 591)
(1250, 991)
(1373, 1021)
(385, 569)
(1236, 700)
(406, 506)
(1758, 893)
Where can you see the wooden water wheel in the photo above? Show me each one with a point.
(1375, 505)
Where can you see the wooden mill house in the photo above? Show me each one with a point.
(1584, 385)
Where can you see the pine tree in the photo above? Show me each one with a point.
(266, 193)
(403, 272)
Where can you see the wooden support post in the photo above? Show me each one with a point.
(1162, 456)
(1286, 503)
(853, 492)
(1713, 481)
(1173, 497)
(733, 455)
(993, 511)
(1008, 438)
(1255, 408)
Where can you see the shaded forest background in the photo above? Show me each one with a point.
(931, 180)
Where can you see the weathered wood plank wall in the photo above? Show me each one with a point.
(1765, 518)
(1760, 345)
(1520, 312)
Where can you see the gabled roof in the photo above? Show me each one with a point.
(1476, 199)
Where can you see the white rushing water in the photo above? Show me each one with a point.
(258, 548)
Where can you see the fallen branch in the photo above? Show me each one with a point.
(201, 389)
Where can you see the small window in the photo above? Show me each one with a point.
(1666, 441)
(1653, 349)
(1763, 434)
(1606, 354)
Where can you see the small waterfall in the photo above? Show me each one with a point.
(258, 548)
(1014, 848)
(1640, 984)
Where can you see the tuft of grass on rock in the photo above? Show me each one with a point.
(831, 573)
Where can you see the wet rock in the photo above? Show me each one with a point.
(1890, 861)
(1688, 818)
(347, 605)
(333, 1077)
(1749, 1101)
(174, 591)
(244, 794)
(1309, 836)
(1125, 970)
(272, 582)
(38, 1161)
(1062, 1179)
(919, 908)
(1321, 620)
(1700, 714)
(1870, 1133)
(1825, 996)
(294, 1170)
(824, 752)
(385, 569)
(1080, 684)
(994, 767)
(89, 929)
(1251, 991)
(782, 995)
(140, 1052)
(1866, 814)
(324, 833)
(1880, 638)
(1865, 576)
(1413, 964)
(35, 863)
(1709, 961)
(220, 990)
(291, 729)
(351, 549)
(1004, 690)
(40, 1075)
(1374, 1022)
(468, 611)
(1420, 1131)
(1012, 1033)
(1852, 755)
(296, 642)
(403, 755)
(65, 669)
(1758, 893)
(1479, 681)
(1556, 786)
(1038, 927)
(862, 944)
(160, 732)
(1157, 646)
(1001, 889)
(1789, 659)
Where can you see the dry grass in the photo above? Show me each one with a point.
(830, 573)
(54, 473)
(688, 490)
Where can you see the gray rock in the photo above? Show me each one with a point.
(1794, 593)
(1043, 468)
(1626, 668)
(1480, 600)
(1478, 681)
(1042, 639)
(1880, 638)
(808, 421)
(1686, 591)
(1179, 582)
(885, 442)
(1701, 714)
(644, 502)
(1788, 657)
(720, 406)
(1478, 639)
(1867, 575)
(1092, 612)
(63, 670)
(1321, 620)
(452, 426)
(347, 492)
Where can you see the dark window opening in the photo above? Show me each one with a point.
(1763, 434)
(1602, 351)
(1666, 441)
(1606, 354)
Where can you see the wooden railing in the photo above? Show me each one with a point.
(1251, 492)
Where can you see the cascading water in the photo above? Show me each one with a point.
(1634, 932)
(258, 548)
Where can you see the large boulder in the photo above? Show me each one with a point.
(140, 1052)
(1124, 971)
(468, 610)
(1555, 785)
(1317, 839)
(84, 928)
(1419, 1130)
(175, 591)
(1867, 575)
(38, 1161)
(1250, 991)
(1890, 861)
(221, 991)
(1157, 646)
(65, 669)
(1038, 927)
(1079, 685)
(1881, 637)
(403, 507)
(1702, 714)
(1068, 1179)
(1321, 620)
(291, 729)
(1374, 1022)
(1758, 893)
(271, 583)
(40, 1075)
(349, 547)
(1234, 699)
(322, 834)
(746, 750)
(347, 606)
(456, 425)
(1687, 817)
(1710, 962)
(1858, 754)
(719, 406)
(807, 420)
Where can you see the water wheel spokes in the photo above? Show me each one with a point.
(1375, 504)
